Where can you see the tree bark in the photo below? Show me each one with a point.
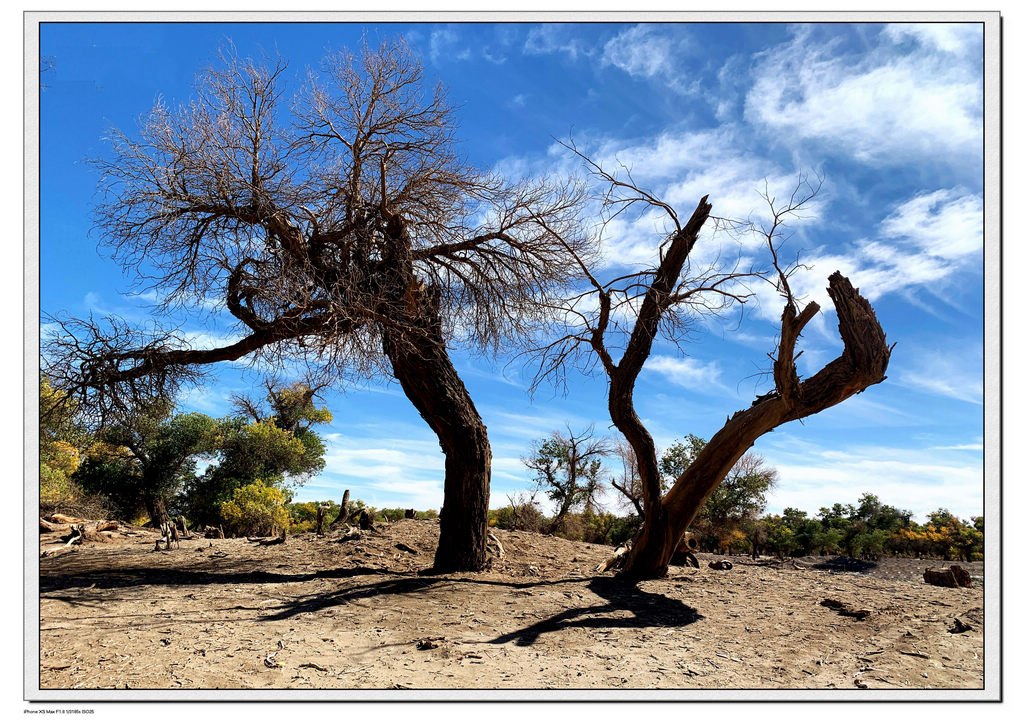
(862, 364)
(414, 343)
(437, 392)
(342, 517)
(156, 509)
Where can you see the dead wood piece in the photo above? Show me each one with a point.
(493, 539)
(405, 548)
(279, 540)
(104, 526)
(54, 551)
(66, 519)
(74, 537)
(615, 560)
(720, 565)
(410, 514)
(93, 536)
(959, 626)
(952, 576)
(46, 526)
(343, 513)
(844, 609)
(429, 643)
(365, 521)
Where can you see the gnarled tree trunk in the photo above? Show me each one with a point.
(420, 362)
(863, 363)
(430, 381)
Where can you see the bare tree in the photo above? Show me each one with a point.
(635, 309)
(568, 468)
(345, 232)
(629, 484)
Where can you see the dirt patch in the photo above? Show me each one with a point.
(353, 612)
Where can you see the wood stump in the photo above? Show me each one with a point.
(952, 576)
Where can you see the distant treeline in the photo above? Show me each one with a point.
(869, 529)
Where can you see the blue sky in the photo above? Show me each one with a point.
(889, 115)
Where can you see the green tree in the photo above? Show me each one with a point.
(829, 540)
(247, 451)
(146, 457)
(742, 494)
(568, 468)
(60, 443)
(878, 516)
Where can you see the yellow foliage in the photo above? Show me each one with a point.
(256, 509)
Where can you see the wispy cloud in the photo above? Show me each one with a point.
(552, 38)
(445, 44)
(957, 377)
(641, 50)
(888, 106)
(653, 52)
(690, 373)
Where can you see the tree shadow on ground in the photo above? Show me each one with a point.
(140, 576)
(650, 610)
(845, 564)
(410, 583)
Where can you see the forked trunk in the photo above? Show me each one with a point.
(863, 363)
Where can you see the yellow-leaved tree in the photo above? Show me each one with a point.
(255, 509)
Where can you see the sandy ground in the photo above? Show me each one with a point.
(334, 613)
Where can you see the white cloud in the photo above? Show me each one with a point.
(444, 45)
(891, 105)
(947, 224)
(552, 38)
(953, 38)
(948, 376)
(925, 242)
(973, 447)
(641, 51)
(697, 376)
(918, 480)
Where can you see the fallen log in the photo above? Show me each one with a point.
(952, 576)
(54, 551)
(66, 519)
(46, 526)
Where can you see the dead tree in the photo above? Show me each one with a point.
(634, 309)
(629, 485)
(343, 513)
(344, 232)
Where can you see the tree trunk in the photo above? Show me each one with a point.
(342, 517)
(421, 364)
(156, 509)
(413, 340)
(863, 363)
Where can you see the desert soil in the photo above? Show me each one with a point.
(352, 612)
